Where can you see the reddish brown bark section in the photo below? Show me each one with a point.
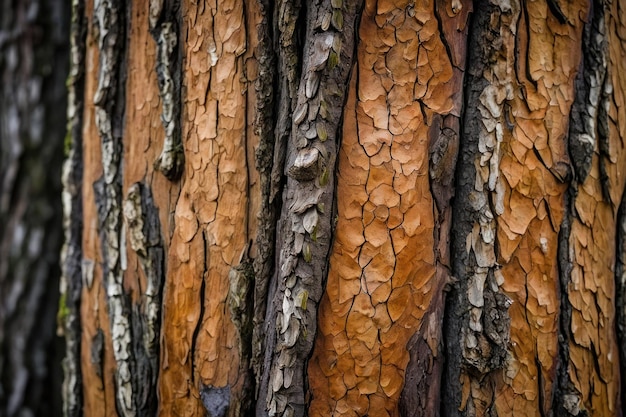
(530, 189)
(591, 291)
(522, 168)
(382, 275)
(201, 344)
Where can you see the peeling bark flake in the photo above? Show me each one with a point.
(171, 161)
(144, 235)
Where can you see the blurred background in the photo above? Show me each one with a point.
(34, 61)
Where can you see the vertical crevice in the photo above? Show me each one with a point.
(264, 125)
(71, 255)
(202, 304)
(567, 401)
(588, 127)
(471, 354)
(587, 137)
(111, 20)
(278, 70)
(240, 299)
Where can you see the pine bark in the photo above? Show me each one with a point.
(347, 207)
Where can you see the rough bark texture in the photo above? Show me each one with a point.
(215, 217)
(71, 255)
(307, 212)
(387, 269)
(345, 207)
(594, 226)
(33, 68)
(523, 62)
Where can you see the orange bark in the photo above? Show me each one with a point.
(200, 341)
(382, 266)
(592, 245)
(525, 112)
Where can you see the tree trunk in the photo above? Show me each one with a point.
(345, 208)
(33, 68)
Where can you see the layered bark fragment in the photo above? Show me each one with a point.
(304, 229)
(388, 265)
(144, 237)
(521, 78)
(592, 240)
(164, 29)
(215, 216)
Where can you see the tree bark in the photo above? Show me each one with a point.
(33, 68)
(345, 208)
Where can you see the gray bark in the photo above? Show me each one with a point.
(33, 68)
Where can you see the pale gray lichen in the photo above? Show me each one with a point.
(140, 242)
(487, 201)
(171, 160)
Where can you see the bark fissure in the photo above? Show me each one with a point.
(263, 263)
(282, 26)
(110, 21)
(583, 139)
(472, 353)
(71, 254)
(566, 400)
(584, 131)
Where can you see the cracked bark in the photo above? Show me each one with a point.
(346, 208)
